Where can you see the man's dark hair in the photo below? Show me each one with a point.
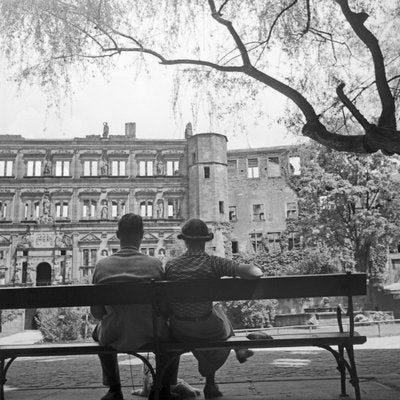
(130, 227)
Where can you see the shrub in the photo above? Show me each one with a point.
(64, 324)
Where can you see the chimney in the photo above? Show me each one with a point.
(130, 130)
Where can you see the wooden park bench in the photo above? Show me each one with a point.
(157, 292)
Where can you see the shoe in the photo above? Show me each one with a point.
(258, 336)
(211, 391)
(243, 354)
(113, 396)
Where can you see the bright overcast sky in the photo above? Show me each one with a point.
(145, 100)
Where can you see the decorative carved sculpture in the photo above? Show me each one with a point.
(106, 130)
(104, 165)
(159, 164)
(160, 209)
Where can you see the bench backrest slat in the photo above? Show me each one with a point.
(185, 291)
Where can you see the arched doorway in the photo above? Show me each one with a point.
(43, 274)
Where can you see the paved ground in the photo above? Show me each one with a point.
(298, 373)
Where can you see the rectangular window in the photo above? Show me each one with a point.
(258, 212)
(221, 207)
(172, 167)
(6, 168)
(293, 241)
(118, 168)
(3, 210)
(90, 168)
(36, 209)
(170, 209)
(62, 168)
(85, 257)
(255, 239)
(26, 210)
(235, 247)
(93, 256)
(232, 213)
(89, 208)
(232, 166)
(273, 167)
(61, 209)
(114, 209)
(291, 209)
(89, 257)
(146, 168)
(146, 209)
(123, 208)
(252, 168)
(206, 172)
(294, 166)
(274, 241)
(34, 168)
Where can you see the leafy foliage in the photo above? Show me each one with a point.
(349, 203)
(304, 50)
(260, 314)
(64, 324)
(7, 316)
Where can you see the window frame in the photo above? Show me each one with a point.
(272, 172)
(34, 168)
(92, 169)
(253, 168)
(172, 167)
(65, 168)
(7, 169)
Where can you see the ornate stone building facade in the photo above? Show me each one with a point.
(60, 199)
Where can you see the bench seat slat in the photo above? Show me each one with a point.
(285, 340)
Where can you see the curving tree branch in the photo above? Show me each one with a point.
(387, 118)
(352, 108)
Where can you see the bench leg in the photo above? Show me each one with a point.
(3, 372)
(341, 366)
(164, 361)
(353, 371)
(342, 370)
(2, 379)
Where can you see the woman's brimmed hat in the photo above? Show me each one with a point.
(195, 229)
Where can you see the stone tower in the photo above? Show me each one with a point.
(208, 184)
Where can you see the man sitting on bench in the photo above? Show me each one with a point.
(197, 321)
(128, 327)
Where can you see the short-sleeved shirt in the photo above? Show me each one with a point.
(197, 265)
(127, 327)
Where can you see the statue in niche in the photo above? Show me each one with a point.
(188, 130)
(160, 209)
(159, 164)
(46, 204)
(47, 165)
(58, 241)
(106, 130)
(103, 165)
(104, 210)
(26, 240)
(67, 241)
